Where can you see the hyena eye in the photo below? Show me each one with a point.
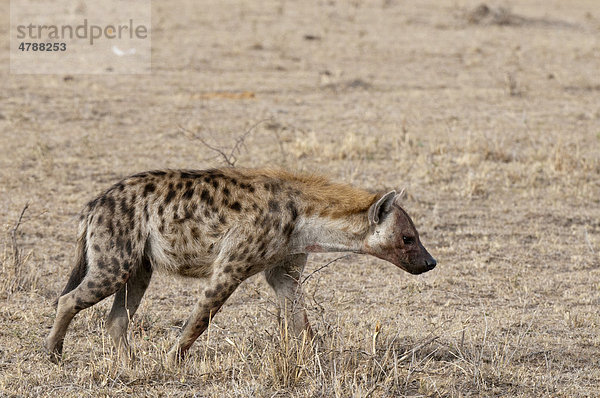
(408, 240)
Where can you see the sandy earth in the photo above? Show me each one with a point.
(489, 118)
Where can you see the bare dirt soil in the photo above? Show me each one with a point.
(488, 115)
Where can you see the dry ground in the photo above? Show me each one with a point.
(489, 117)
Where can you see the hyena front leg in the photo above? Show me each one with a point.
(127, 300)
(285, 280)
(212, 297)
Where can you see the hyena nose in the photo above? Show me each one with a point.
(430, 263)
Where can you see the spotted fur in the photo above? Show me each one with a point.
(223, 226)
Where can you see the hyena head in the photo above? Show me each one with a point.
(394, 238)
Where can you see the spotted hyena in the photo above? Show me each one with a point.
(224, 226)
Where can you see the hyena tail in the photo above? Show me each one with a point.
(80, 269)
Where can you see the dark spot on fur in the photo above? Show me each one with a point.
(170, 194)
(266, 221)
(293, 210)
(161, 210)
(157, 173)
(222, 219)
(119, 243)
(227, 269)
(209, 293)
(100, 218)
(131, 213)
(226, 191)
(110, 227)
(236, 206)
(91, 204)
(262, 246)
(110, 204)
(287, 230)
(272, 187)
(124, 207)
(101, 264)
(179, 186)
(273, 206)
(215, 184)
(79, 304)
(188, 194)
(128, 247)
(91, 285)
(234, 181)
(146, 214)
(150, 187)
(195, 232)
(97, 248)
(205, 196)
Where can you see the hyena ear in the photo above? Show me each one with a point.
(398, 198)
(381, 208)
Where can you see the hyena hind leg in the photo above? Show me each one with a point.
(89, 292)
(127, 301)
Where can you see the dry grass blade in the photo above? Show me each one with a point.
(13, 236)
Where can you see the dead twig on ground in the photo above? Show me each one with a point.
(229, 157)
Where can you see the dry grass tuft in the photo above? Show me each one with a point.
(16, 274)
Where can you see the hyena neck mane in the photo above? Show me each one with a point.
(333, 216)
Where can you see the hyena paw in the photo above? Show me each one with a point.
(174, 357)
(54, 353)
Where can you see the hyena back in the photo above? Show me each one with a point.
(224, 226)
